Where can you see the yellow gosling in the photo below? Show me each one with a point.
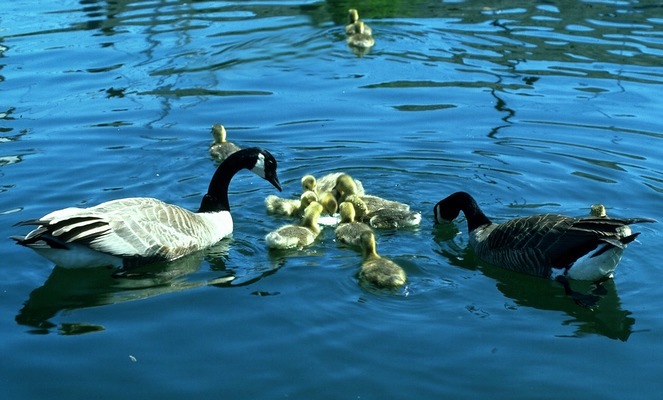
(308, 182)
(349, 230)
(288, 207)
(297, 236)
(377, 270)
(329, 203)
(221, 148)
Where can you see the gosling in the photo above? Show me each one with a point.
(221, 148)
(376, 270)
(349, 230)
(297, 236)
(289, 207)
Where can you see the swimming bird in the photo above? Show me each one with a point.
(288, 207)
(378, 212)
(353, 17)
(547, 245)
(329, 203)
(360, 39)
(309, 182)
(221, 148)
(135, 231)
(377, 270)
(297, 236)
(345, 185)
(349, 230)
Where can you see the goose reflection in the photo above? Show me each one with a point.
(608, 319)
(70, 289)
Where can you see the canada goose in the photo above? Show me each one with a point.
(288, 207)
(309, 183)
(353, 17)
(377, 270)
(220, 148)
(134, 231)
(360, 38)
(297, 236)
(350, 230)
(547, 245)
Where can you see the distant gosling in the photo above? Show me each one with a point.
(353, 17)
(360, 39)
(220, 148)
(377, 270)
(297, 236)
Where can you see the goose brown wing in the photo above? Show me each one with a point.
(557, 240)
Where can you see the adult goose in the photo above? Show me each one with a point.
(135, 231)
(547, 245)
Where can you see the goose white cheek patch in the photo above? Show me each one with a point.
(259, 168)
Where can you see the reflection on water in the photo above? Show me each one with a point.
(70, 289)
(608, 319)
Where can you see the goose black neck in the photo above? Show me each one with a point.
(216, 198)
(462, 201)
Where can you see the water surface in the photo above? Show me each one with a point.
(540, 107)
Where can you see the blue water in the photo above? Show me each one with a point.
(537, 107)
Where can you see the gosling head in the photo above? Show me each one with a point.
(345, 186)
(307, 198)
(329, 203)
(598, 211)
(219, 133)
(353, 15)
(308, 182)
(347, 212)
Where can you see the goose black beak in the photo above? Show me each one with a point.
(274, 180)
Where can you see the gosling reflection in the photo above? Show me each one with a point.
(608, 319)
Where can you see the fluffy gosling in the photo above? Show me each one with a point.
(297, 236)
(349, 230)
(377, 270)
(221, 148)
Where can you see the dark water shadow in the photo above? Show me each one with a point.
(607, 319)
(71, 289)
